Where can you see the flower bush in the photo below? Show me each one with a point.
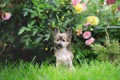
(30, 24)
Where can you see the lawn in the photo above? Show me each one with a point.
(29, 71)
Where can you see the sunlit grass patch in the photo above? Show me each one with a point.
(28, 71)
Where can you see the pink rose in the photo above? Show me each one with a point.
(6, 16)
(86, 34)
(84, 6)
(89, 41)
(74, 2)
(87, 24)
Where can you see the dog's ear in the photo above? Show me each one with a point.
(69, 32)
(56, 31)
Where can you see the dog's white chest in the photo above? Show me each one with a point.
(63, 55)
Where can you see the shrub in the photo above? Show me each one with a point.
(109, 51)
(32, 24)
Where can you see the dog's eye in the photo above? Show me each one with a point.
(63, 40)
(57, 39)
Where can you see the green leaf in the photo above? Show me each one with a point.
(34, 32)
(47, 36)
(21, 30)
(38, 39)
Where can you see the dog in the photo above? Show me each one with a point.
(62, 52)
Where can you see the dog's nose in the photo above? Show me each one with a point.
(59, 45)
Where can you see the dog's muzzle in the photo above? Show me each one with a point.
(59, 45)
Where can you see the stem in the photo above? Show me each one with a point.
(87, 1)
(108, 37)
(2, 50)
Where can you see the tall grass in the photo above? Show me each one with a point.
(28, 71)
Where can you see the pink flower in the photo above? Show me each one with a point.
(89, 41)
(87, 24)
(84, 6)
(74, 2)
(6, 16)
(86, 34)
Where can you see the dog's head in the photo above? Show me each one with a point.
(62, 40)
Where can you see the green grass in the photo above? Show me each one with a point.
(28, 71)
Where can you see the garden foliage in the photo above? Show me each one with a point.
(110, 51)
(30, 24)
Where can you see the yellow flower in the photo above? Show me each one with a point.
(47, 11)
(78, 8)
(63, 3)
(119, 19)
(68, 11)
(46, 49)
(73, 51)
(91, 29)
(63, 17)
(97, 11)
(5, 45)
(93, 20)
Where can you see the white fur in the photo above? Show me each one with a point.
(64, 56)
